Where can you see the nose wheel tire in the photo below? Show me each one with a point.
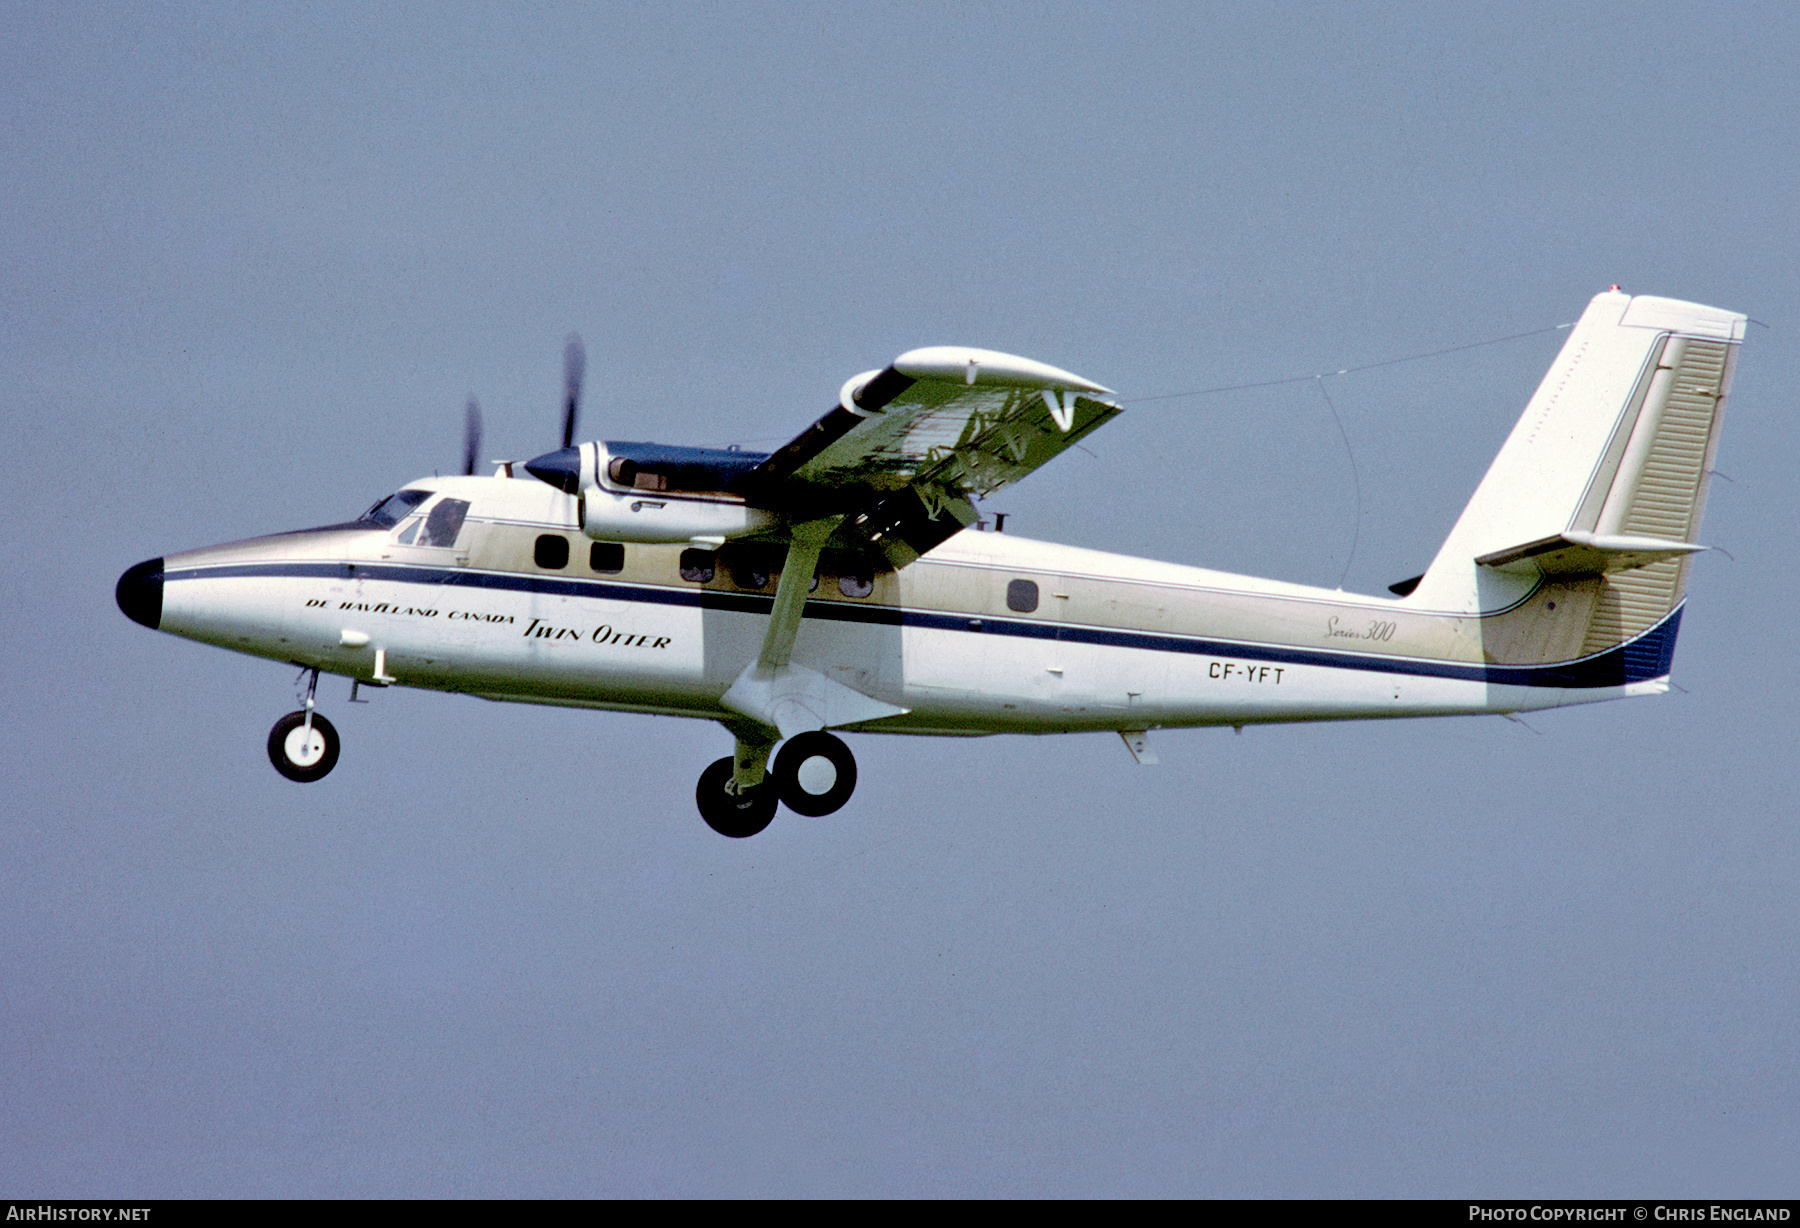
(732, 814)
(300, 755)
(815, 773)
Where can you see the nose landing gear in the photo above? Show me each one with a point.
(303, 746)
(814, 775)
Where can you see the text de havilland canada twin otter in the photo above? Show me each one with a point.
(832, 585)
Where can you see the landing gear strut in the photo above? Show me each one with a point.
(814, 774)
(303, 746)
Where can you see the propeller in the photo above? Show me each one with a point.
(471, 437)
(574, 367)
(562, 468)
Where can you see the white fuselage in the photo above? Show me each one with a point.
(988, 633)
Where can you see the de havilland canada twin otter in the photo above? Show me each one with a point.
(834, 584)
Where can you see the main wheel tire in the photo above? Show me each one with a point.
(733, 814)
(816, 773)
(298, 756)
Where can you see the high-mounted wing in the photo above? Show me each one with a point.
(889, 472)
(907, 446)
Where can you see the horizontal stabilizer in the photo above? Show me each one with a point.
(1578, 553)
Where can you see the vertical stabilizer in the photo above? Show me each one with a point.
(1603, 479)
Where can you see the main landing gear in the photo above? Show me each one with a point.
(303, 746)
(814, 775)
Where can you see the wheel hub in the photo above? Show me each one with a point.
(305, 747)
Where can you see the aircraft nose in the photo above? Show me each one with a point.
(561, 468)
(140, 593)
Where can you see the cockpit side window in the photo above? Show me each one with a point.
(444, 523)
(388, 512)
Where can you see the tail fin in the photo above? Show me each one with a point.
(1602, 481)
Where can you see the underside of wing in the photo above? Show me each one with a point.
(907, 446)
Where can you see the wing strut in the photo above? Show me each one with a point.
(790, 592)
(785, 698)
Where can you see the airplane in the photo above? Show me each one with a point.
(842, 583)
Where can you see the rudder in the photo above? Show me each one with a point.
(1602, 481)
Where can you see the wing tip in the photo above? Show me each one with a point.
(970, 365)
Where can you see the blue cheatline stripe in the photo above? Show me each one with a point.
(448, 577)
(1639, 660)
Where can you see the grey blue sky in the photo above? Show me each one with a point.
(254, 258)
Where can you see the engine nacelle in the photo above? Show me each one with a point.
(654, 493)
(643, 517)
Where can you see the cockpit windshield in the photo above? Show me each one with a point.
(388, 512)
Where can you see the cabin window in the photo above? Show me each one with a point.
(444, 523)
(390, 511)
(551, 552)
(697, 566)
(855, 572)
(608, 558)
(751, 564)
(1022, 596)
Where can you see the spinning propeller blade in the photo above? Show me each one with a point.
(574, 367)
(471, 437)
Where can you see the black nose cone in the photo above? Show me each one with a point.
(562, 469)
(140, 593)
